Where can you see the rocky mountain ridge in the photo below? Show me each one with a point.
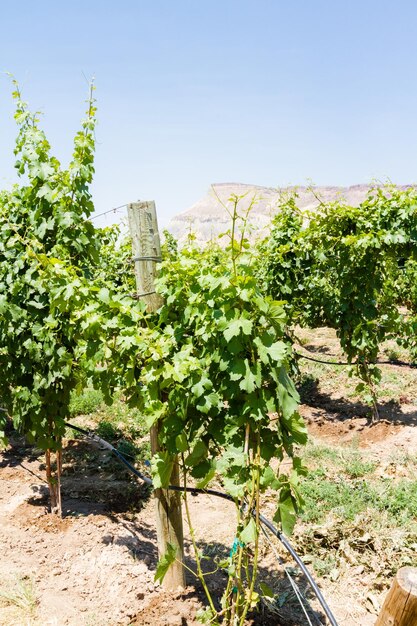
(208, 217)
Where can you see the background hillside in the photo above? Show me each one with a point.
(208, 217)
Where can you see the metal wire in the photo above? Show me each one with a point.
(141, 295)
(158, 259)
(299, 595)
(116, 208)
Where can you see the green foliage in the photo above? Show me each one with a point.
(46, 247)
(356, 467)
(342, 267)
(209, 367)
(214, 365)
(86, 402)
(21, 593)
(408, 284)
(61, 316)
(114, 266)
(348, 498)
(165, 562)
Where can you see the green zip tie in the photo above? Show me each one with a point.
(236, 544)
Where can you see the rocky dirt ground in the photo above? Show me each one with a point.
(350, 597)
(95, 567)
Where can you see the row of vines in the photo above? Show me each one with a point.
(352, 269)
(213, 363)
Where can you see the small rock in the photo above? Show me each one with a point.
(108, 539)
(372, 604)
(334, 574)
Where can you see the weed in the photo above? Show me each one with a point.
(347, 499)
(323, 495)
(354, 443)
(122, 420)
(323, 566)
(318, 452)
(399, 499)
(116, 423)
(307, 385)
(92, 619)
(356, 467)
(127, 448)
(303, 340)
(393, 354)
(399, 457)
(107, 430)
(21, 594)
(122, 436)
(86, 402)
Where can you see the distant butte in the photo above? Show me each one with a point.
(207, 218)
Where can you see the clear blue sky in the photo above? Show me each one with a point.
(192, 92)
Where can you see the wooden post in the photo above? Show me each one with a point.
(146, 248)
(54, 481)
(400, 606)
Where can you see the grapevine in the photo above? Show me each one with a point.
(342, 267)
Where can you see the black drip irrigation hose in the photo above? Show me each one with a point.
(219, 494)
(143, 477)
(310, 358)
(394, 363)
(301, 565)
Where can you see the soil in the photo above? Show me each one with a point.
(96, 565)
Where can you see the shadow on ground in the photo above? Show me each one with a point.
(341, 409)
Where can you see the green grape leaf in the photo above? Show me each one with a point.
(165, 562)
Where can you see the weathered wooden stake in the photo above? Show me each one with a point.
(400, 606)
(54, 481)
(146, 248)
